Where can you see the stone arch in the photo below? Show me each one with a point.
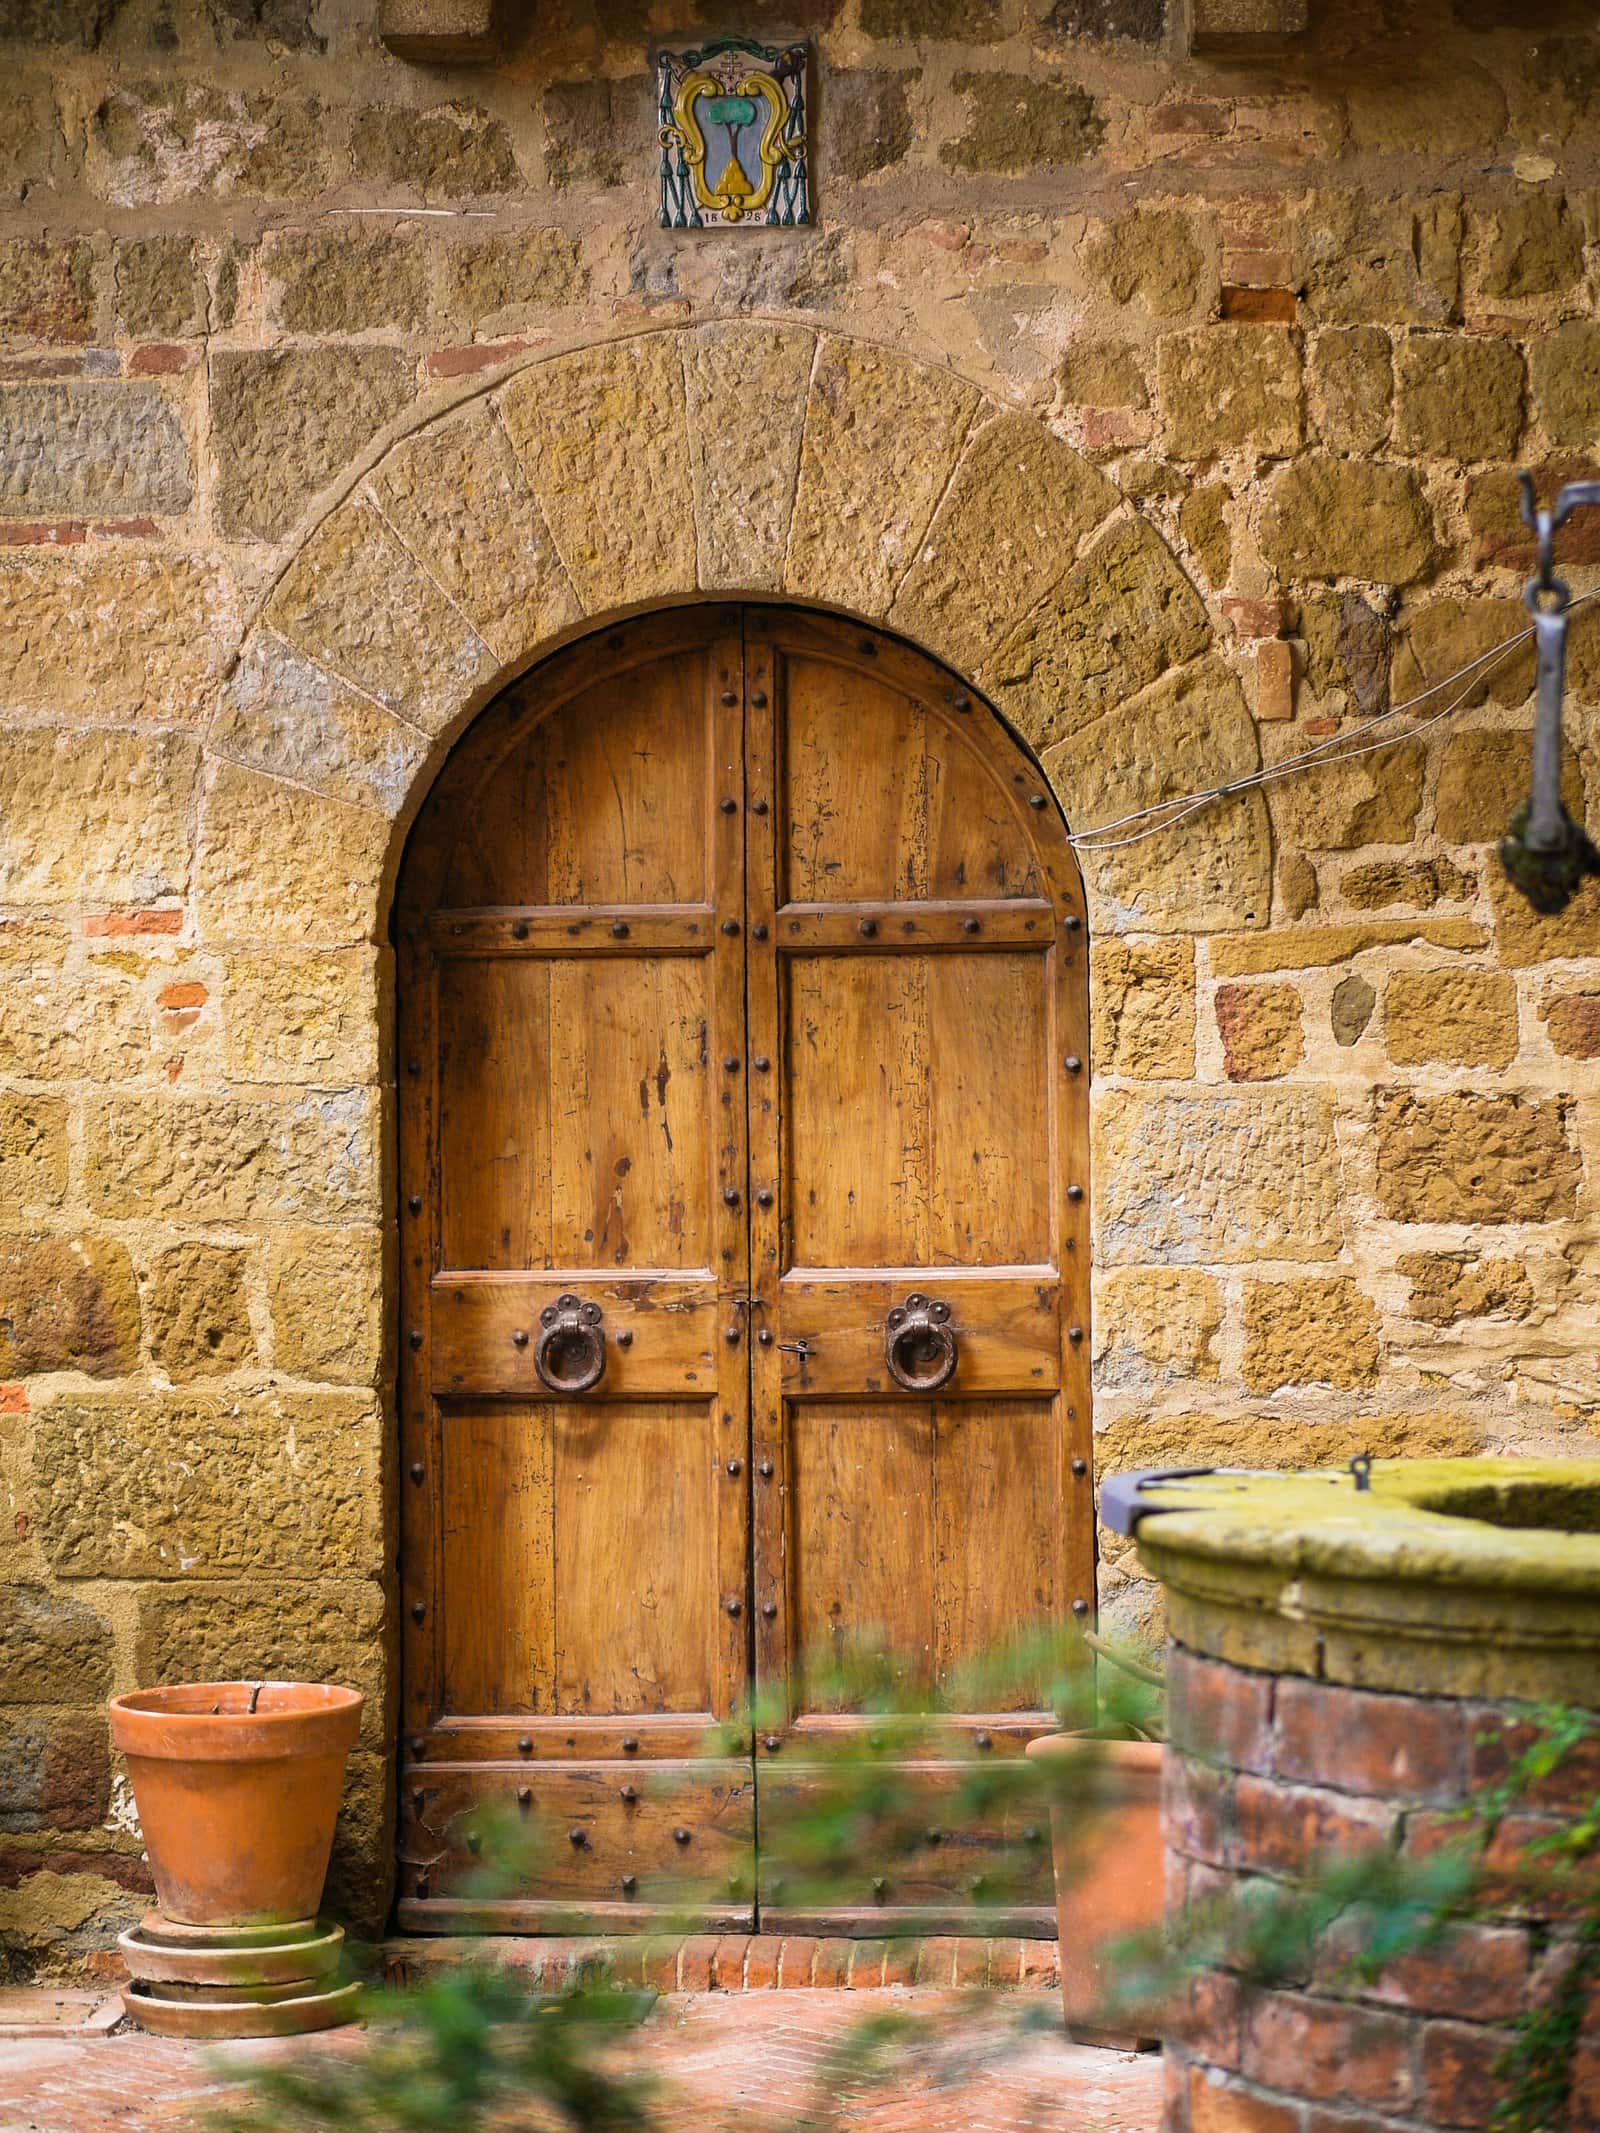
(730, 458)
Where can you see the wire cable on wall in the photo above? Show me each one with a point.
(1337, 749)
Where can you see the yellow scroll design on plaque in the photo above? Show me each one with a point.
(733, 195)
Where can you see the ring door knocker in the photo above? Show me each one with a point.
(570, 1353)
(919, 1344)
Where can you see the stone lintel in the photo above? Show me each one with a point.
(1245, 26)
(438, 32)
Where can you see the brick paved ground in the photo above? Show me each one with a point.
(746, 2061)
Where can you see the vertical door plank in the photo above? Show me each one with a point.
(987, 1094)
(498, 1520)
(996, 1507)
(495, 1155)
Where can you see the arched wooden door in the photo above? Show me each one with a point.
(742, 1041)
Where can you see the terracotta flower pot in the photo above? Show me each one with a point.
(237, 1806)
(1106, 1840)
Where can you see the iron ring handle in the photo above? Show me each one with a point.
(919, 1344)
(570, 1353)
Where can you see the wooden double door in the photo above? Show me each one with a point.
(744, 1242)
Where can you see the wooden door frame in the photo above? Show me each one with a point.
(566, 672)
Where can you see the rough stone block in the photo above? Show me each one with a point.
(1018, 124)
(99, 816)
(194, 1486)
(279, 864)
(308, 1016)
(866, 123)
(1143, 1013)
(67, 1303)
(325, 1287)
(1347, 518)
(281, 713)
(62, 1025)
(155, 141)
(1351, 375)
(1118, 620)
(1418, 884)
(1102, 374)
(964, 21)
(1450, 1018)
(1316, 1330)
(881, 439)
(1338, 807)
(1004, 535)
(1447, 1287)
(323, 283)
(1203, 522)
(1155, 1326)
(1191, 1439)
(1565, 371)
(160, 295)
(355, 602)
(33, 1151)
(499, 282)
(457, 499)
(1260, 1030)
(197, 1310)
(747, 397)
(1378, 262)
(53, 1649)
(111, 449)
(285, 421)
(283, 1628)
(1248, 955)
(1523, 935)
(361, 1871)
(598, 128)
(1229, 388)
(1458, 396)
(1484, 778)
(1537, 248)
(1442, 636)
(1347, 649)
(113, 637)
(1224, 1178)
(1214, 870)
(1573, 1020)
(55, 1768)
(225, 1158)
(453, 151)
(601, 435)
(46, 291)
(1463, 1157)
(1152, 258)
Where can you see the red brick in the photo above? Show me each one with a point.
(1288, 1829)
(1260, 307)
(866, 1964)
(1327, 2051)
(478, 355)
(1584, 2098)
(1495, 1742)
(1219, 1713)
(187, 994)
(42, 533)
(972, 1962)
(1217, 2105)
(936, 1960)
(794, 1962)
(1388, 1747)
(1318, 2121)
(626, 1957)
(1175, 2084)
(1251, 618)
(761, 1962)
(694, 1963)
(161, 359)
(1475, 1972)
(126, 529)
(659, 1963)
(1210, 2019)
(1513, 1878)
(1005, 1962)
(116, 925)
(1459, 2084)
(727, 1964)
(832, 1965)
(900, 1962)
(1274, 680)
(1196, 1808)
(13, 1399)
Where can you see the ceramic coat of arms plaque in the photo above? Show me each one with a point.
(734, 151)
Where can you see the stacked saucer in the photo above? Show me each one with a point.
(235, 1981)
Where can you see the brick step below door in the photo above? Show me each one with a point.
(746, 1962)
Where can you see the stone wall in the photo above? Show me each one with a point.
(1173, 399)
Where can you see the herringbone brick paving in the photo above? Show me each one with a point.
(732, 2063)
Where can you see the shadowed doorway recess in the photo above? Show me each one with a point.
(744, 1245)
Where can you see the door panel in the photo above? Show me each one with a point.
(742, 1002)
(922, 1138)
(573, 1147)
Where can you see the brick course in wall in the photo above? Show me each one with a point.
(1248, 344)
(1271, 1779)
